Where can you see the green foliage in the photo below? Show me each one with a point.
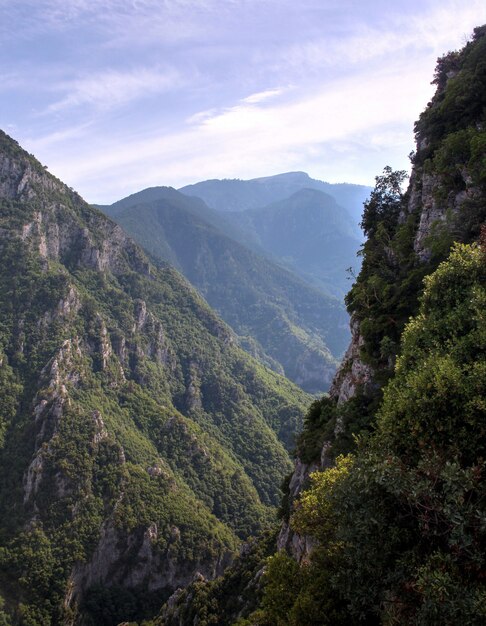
(314, 514)
(460, 101)
(318, 427)
(451, 152)
(295, 595)
(383, 206)
(401, 524)
(386, 291)
(10, 390)
(126, 410)
(235, 594)
(283, 579)
(110, 606)
(4, 618)
(439, 383)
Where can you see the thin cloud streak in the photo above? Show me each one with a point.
(111, 89)
(250, 87)
(261, 96)
(243, 139)
(431, 30)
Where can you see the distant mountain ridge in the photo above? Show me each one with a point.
(270, 212)
(286, 323)
(240, 195)
(310, 233)
(190, 204)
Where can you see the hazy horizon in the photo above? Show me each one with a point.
(144, 93)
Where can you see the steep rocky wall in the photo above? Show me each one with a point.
(444, 202)
(138, 443)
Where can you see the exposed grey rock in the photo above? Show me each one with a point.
(100, 429)
(314, 368)
(140, 315)
(135, 559)
(18, 179)
(55, 231)
(352, 372)
(299, 546)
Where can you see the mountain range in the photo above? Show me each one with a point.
(289, 324)
(310, 234)
(316, 235)
(230, 195)
(138, 443)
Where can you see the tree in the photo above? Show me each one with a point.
(385, 201)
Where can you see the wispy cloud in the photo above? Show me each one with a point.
(52, 139)
(10, 80)
(247, 107)
(359, 75)
(261, 96)
(430, 29)
(110, 89)
(251, 138)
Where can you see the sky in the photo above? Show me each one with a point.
(118, 95)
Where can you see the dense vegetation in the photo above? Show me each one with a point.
(401, 523)
(286, 323)
(310, 233)
(400, 519)
(228, 599)
(138, 443)
(401, 249)
(398, 516)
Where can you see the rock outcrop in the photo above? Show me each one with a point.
(445, 202)
(134, 433)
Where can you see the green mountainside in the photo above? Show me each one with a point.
(310, 233)
(384, 517)
(309, 226)
(188, 204)
(289, 325)
(240, 195)
(138, 442)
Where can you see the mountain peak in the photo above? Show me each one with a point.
(289, 177)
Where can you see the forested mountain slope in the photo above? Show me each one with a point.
(289, 325)
(187, 204)
(307, 225)
(240, 195)
(310, 233)
(138, 443)
(384, 515)
(418, 540)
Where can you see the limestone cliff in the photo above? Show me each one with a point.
(408, 235)
(138, 443)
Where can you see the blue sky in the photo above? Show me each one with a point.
(118, 95)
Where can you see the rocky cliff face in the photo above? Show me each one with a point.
(54, 229)
(130, 422)
(445, 202)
